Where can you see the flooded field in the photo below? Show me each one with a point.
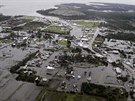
(10, 89)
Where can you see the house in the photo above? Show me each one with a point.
(50, 68)
(110, 60)
(84, 45)
(40, 43)
(23, 34)
(79, 77)
(84, 39)
(4, 35)
(118, 70)
(1, 29)
(134, 62)
(89, 78)
(44, 79)
(25, 67)
(99, 55)
(21, 43)
(115, 52)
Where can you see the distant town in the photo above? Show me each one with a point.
(77, 55)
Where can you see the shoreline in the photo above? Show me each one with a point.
(32, 12)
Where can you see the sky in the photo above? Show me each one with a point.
(110, 1)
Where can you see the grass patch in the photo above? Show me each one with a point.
(30, 26)
(63, 49)
(86, 23)
(57, 29)
(6, 40)
(49, 95)
(33, 25)
(55, 96)
(63, 45)
(70, 97)
(111, 93)
(62, 42)
(88, 98)
(28, 17)
(41, 95)
(99, 40)
(122, 36)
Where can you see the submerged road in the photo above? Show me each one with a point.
(93, 39)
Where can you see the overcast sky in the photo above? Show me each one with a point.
(112, 1)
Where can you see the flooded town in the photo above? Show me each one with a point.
(53, 59)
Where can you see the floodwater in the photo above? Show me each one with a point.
(19, 7)
(29, 7)
(10, 89)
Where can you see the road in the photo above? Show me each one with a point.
(6, 45)
(93, 39)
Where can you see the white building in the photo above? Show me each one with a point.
(50, 68)
(118, 70)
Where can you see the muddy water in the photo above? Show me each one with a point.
(10, 89)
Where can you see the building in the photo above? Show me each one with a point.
(134, 62)
(4, 35)
(118, 70)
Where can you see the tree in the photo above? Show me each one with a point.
(68, 43)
